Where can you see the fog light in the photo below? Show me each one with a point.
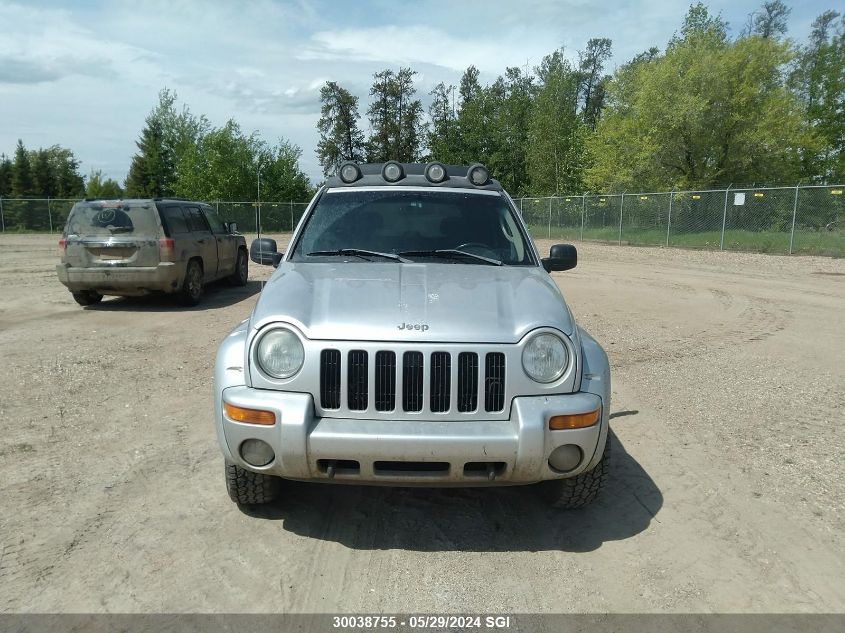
(257, 453)
(565, 458)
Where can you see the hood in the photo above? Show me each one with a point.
(412, 302)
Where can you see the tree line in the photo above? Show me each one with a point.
(179, 154)
(706, 111)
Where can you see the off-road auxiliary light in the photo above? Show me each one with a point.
(478, 174)
(392, 171)
(249, 416)
(435, 172)
(349, 172)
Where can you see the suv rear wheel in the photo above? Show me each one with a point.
(87, 297)
(580, 490)
(191, 292)
(247, 488)
(241, 273)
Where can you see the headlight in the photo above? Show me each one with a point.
(280, 353)
(545, 358)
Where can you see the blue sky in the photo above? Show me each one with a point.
(85, 73)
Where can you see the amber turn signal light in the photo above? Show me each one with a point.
(574, 421)
(249, 416)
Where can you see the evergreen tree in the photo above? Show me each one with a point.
(592, 88)
(5, 176)
(770, 20)
(556, 133)
(149, 171)
(819, 79)
(43, 176)
(21, 173)
(98, 186)
(395, 116)
(442, 136)
(340, 137)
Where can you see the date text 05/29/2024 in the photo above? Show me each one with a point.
(421, 621)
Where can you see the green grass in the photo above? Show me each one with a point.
(808, 242)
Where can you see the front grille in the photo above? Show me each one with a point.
(356, 387)
(330, 379)
(426, 381)
(412, 381)
(494, 382)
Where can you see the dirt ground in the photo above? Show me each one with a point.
(726, 495)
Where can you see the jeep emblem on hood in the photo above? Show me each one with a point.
(421, 327)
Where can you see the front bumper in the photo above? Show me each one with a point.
(120, 280)
(412, 452)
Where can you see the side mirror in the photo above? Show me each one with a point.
(232, 227)
(561, 257)
(264, 251)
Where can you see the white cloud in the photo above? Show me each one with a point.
(86, 75)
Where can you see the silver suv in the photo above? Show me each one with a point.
(137, 247)
(412, 336)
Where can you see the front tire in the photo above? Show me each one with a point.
(247, 488)
(191, 292)
(241, 273)
(580, 490)
(87, 297)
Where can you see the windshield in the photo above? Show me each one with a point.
(112, 218)
(414, 224)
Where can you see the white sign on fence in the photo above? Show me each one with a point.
(739, 199)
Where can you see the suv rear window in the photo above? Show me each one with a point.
(175, 220)
(112, 218)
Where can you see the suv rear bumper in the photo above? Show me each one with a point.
(122, 280)
(402, 452)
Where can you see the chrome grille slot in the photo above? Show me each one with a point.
(494, 382)
(385, 381)
(412, 381)
(467, 381)
(330, 379)
(441, 378)
(356, 385)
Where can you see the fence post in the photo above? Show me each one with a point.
(621, 204)
(2, 217)
(291, 216)
(724, 218)
(520, 208)
(550, 217)
(794, 213)
(669, 221)
(583, 209)
(49, 215)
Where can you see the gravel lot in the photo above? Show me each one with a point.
(726, 495)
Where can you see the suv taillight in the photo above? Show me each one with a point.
(166, 249)
(62, 247)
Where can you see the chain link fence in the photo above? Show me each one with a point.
(804, 219)
(48, 215)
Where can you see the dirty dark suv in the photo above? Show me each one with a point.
(138, 247)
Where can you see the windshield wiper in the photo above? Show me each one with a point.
(359, 252)
(452, 253)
